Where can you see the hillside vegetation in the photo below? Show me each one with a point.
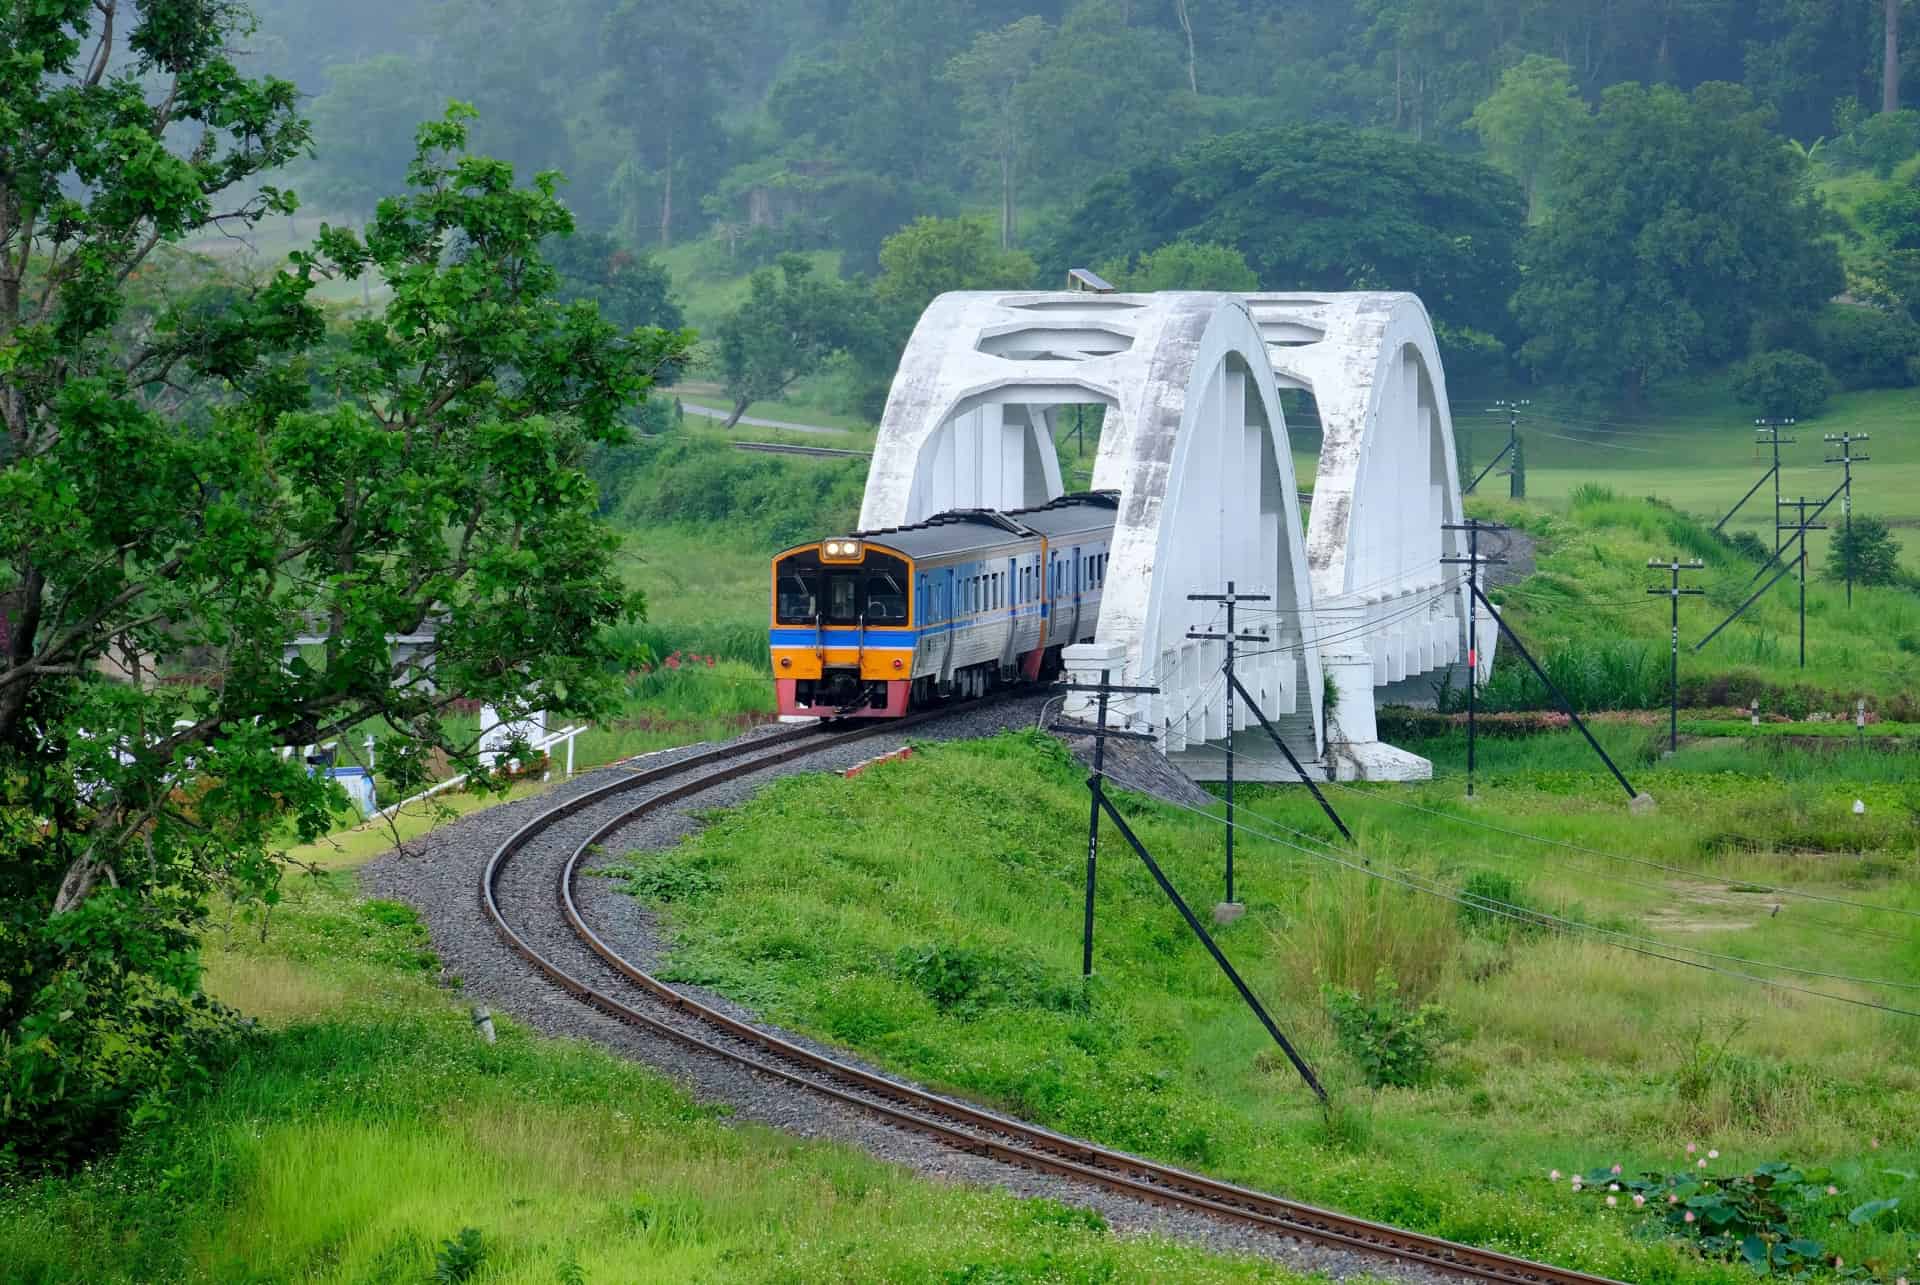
(1467, 1053)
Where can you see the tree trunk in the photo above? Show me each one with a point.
(1186, 25)
(1890, 68)
(666, 202)
(1006, 202)
(740, 405)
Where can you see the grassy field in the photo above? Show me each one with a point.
(937, 930)
(1698, 454)
(364, 1127)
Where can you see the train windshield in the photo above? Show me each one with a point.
(798, 600)
(886, 599)
(843, 597)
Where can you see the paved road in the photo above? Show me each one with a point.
(709, 412)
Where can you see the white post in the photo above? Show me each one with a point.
(570, 739)
(369, 751)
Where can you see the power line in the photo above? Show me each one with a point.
(1608, 937)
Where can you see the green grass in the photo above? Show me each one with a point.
(928, 913)
(1703, 457)
(1588, 596)
(365, 1125)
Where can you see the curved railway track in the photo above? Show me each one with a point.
(633, 996)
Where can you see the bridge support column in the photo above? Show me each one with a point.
(1354, 749)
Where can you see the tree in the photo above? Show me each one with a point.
(1184, 265)
(990, 76)
(1321, 207)
(1529, 121)
(790, 323)
(933, 256)
(363, 131)
(1782, 385)
(1890, 57)
(1681, 222)
(670, 64)
(423, 471)
(1865, 551)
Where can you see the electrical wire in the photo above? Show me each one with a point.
(1607, 937)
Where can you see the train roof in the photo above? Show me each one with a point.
(963, 530)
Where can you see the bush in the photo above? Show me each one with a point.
(1866, 347)
(1866, 548)
(1493, 905)
(1394, 1043)
(1782, 384)
(781, 501)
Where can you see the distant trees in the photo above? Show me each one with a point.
(1184, 265)
(1322, 207)
(1680, 222)
(991, 78)
(1528, 122)
(790, 323)
(1781, 384)
(364, 126)
(1864, 551)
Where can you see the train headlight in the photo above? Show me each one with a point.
(841, 550)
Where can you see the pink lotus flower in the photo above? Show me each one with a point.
(1672, 1199)
(1874, 1143)
(1612, 1201)
(1613, 1186)
(1616, 1169)
(1691, 1148)
(1713, 1155)
(1689, 1216)
(1554, 1176)
(1638, 1200)
(1833, 1191)
(1703, 1164)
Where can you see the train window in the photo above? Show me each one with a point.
(843, 599)
(886, 600)
(797, 602)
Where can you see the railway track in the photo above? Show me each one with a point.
(633, 996)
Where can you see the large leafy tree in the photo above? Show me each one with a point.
(186, 490)
(1682, 222)
(789, 324)
(1322, 207)
(1527, 122)
(990, 78)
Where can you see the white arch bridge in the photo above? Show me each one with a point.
(1195, 443)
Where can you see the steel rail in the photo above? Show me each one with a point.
(958, 1124)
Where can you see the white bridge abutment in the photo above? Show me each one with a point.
(1195, 445)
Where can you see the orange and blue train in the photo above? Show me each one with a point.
(877, 623)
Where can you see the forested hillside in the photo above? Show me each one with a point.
(1530, 167)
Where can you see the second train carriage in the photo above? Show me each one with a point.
(874, 624)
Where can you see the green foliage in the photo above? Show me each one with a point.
(932, 256)
(1393, 1043)
(1782, 384)
(1680, 222)
(1866, 347)
(1865, 550)
(702, 481)
(1529, 121)
(1494, 904)
(791, 322)
(966, 980)
(460, 1258)
(424, 466)
(1321, 207)
(1595, 673)
(1183, 265)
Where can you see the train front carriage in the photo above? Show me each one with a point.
(843, 636)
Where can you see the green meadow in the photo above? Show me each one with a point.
(937, 930)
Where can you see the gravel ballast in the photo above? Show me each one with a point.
(439, 874)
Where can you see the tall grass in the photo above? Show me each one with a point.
(1593, 673)
(1348, 929)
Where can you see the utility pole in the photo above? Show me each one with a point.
(1801, 527)
(1767, 432)
(1473, 561)
(1231, 599)
(1096, 785)
(1675, 592)
(1106, 689)
(1848, 459)
(1516, 485)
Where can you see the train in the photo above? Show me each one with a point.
(877, 623)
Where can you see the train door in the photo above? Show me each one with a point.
(947, 606)
(1073, 588)
(1009, 614)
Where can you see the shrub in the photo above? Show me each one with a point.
(1493, 905)
(965, 980)
(1866, 548)
(1394, 1043)
(1866, 347)
(1749, 546)
(460, 1257)
(1782, 384)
